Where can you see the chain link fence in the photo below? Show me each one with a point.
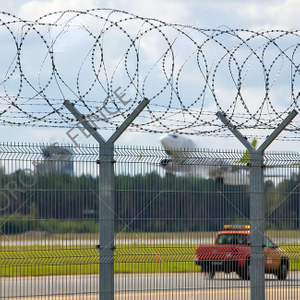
(171, 239)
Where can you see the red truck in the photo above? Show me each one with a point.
(231, 253)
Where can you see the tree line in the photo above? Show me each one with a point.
(143, 203)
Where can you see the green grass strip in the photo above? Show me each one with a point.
(62, 260)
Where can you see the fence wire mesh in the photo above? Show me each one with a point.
(170, 239)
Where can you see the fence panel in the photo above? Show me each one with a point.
(49, 201)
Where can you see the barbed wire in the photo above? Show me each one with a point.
(106, 61)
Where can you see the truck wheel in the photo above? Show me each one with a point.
(244, 272)
(283, 270)
(219, 180)
(212, 274)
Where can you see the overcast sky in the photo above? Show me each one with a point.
(235, 14)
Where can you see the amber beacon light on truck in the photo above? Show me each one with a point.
(236, 227)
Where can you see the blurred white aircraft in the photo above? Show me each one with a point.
(183, 157)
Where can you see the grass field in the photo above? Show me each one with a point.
(63, 260)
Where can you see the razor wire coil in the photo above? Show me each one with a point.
(97, 58)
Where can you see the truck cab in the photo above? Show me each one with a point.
(231, 253)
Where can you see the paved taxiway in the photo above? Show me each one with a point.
(147, 286)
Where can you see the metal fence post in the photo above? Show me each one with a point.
(257, 265)
(106, 221)
(106, 196)
(257, 203)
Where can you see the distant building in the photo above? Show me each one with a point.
(56, 160)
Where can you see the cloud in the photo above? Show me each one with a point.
(255, 15)
(169, 11)
(285, 15)
(35, 9)
(269, 15)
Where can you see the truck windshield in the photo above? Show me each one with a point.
(233, 239)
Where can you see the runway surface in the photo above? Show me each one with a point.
(147, 286)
